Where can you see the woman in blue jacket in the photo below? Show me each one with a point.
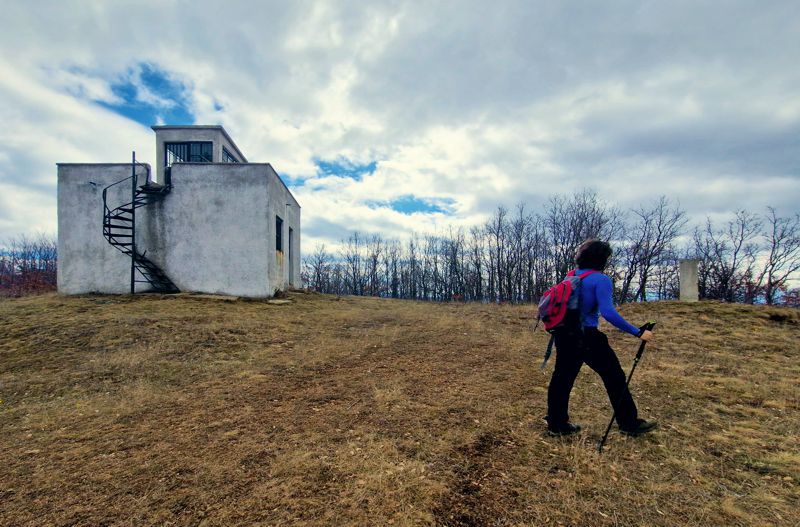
(591, 346)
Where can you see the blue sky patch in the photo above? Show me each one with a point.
(343, 167)
(149, 96)
(292, 182)
(410, 204)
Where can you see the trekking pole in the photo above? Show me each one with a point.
(647, 327)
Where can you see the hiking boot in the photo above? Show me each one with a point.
(641, 428)
(566, 429)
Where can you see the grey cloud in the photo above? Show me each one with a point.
(544, 73)
(321, 228)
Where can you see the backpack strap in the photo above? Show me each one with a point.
(549, 351)
(582, 275)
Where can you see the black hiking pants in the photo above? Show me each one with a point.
(591, 347)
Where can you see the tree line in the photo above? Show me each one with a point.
(28, 265)
(518, 254)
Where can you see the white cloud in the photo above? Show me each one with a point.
(484, 105)
(41, 127)
(83, 85)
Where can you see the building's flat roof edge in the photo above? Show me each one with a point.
(284, 185)
(219, 127)
(220, 163)
(99, 164)
(179, 126)
(242, 165)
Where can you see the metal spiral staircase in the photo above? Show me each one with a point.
(119, 228)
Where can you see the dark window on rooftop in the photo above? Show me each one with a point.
(227, 157)
(191, 152)
(278, 234)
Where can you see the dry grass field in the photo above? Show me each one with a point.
(191, 410)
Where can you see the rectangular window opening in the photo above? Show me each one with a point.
(278, 234)
(188, 152)
(227, 157)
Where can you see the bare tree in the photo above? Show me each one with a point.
(374, 254)
(726, 256)
(28, 265)
(782, 259)
(496, 235)
(476, 258)
(317, 269)
(571, 220)
(353, 258)
(391, 268)
(648, 240)
(514, 257)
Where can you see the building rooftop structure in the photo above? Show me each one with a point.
(208, 221)
(194, 144)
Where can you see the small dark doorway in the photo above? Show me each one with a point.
(291, 259)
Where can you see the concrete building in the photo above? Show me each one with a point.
(206, 221)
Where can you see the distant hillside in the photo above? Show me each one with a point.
(198, 410)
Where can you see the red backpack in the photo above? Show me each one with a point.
(560, 306)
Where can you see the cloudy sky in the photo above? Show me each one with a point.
(398, 116)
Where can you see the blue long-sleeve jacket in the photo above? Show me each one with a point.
(597, 299)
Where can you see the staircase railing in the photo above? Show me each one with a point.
(119, 228)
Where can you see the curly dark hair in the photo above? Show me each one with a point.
(593, 254)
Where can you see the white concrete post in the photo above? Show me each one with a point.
(688, 280)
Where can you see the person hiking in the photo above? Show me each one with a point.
(588, 344)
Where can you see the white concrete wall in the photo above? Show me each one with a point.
(213, 233)
(87, 263)
(283, 204)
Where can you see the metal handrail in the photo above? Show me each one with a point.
(147, 169)
(117, 183)
(105, 190)
(139, 262)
